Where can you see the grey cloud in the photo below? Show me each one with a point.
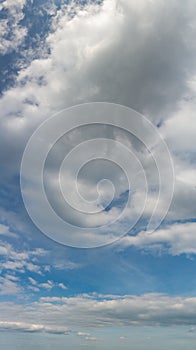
(140, 54)
(130, 310)
(143, 58)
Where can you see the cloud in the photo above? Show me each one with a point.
(16, 264)
(175, 239)
(178, 131)
(32, 281)
(130, 310)
(32, 328)
(83, 66)
(90, 338)
(62, 286)
(141, 76)
(9, 285)
(181, 125)
(12, 32)
(5, 231)
(17, 267)
(15, 260)
(83, 334)
(48, 285)
(153, 73)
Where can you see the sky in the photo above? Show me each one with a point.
(97, 102)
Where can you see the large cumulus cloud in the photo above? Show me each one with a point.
(140, 54)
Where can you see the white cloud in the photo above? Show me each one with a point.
(33, 328)
(5, 231)
(91, 338)
(179, 130)
(9, 285)
(48, 285)
(83, 334)
(62, 286)
(32, 281)
(15, 260)
(176, 239)
(3, 251)
(27, 268)
(12, 33)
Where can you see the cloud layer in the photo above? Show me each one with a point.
(61, 314)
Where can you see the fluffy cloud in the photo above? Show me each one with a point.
(176, 239)
(12, 33)
(150, 73)
(153, 73)
(83, 66)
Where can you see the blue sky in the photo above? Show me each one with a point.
(141, 288)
